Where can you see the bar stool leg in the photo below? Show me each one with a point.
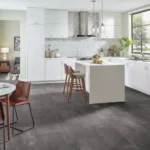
(84, 90)
(68, 85)
(81, 88)
(70, 90)
(65, 83)
(76, 84)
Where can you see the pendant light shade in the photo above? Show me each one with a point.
(95, 29)
(102, 15)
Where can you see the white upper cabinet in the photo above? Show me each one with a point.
(112, 19)
(35, 53)
(111, 32)
(56, 24)
(35, 16)
(56, 31)
(112, 22)
(56, 16)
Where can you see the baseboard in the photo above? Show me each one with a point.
(46, 82)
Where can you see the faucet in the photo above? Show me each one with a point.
(143, 56)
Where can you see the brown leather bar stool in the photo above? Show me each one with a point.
(66, 70)
(77, 77)
(18, 98)
(2, 119)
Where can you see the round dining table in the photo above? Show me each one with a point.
(5, 90)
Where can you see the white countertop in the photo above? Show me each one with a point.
(90, 63)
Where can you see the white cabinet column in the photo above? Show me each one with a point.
(35, 53)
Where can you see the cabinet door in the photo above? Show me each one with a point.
(111, 32)
(130, 74)
(140, 76)
(35, 16)
(35, 52)
(147, 68)
(112, 19)
(56, 16)
(56, 31)
(53, 69)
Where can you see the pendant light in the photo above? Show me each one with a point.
(102, 25)
(93, 28)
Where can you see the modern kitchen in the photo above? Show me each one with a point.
(84, 73)
(58, 37)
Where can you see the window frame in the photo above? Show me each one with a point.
(139, 12)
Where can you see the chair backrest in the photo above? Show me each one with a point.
(71, 71)
(22, 90)
(17, 60)
(66, 69)
(1, 112)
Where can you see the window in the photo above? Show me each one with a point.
(141, 32)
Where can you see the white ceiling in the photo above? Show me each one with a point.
(74, 5)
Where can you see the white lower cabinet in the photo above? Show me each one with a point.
(137, 75)
(68, 61)
(53, 69)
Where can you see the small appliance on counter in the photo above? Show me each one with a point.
(47, 52)
(51, 53)
(57, 54)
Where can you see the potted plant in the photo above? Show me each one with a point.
(95, 58)
(124, 44)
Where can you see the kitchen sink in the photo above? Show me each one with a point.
(146, 60)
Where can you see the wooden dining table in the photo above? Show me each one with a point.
(5, 90)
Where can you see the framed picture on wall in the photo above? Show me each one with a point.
(17, 43)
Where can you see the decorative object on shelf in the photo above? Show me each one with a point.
(95, 58)
(4, 50)
(95, 29)
(101, 52)
(124, 44)
(57, 54)
(47, 51)
(113, 50)
(16, 43)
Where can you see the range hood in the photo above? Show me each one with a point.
(83, 25)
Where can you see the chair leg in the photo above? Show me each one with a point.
(20, 130)
(65, 84)
(13, 120)
(70, 90)
(33, 123)
(4, 143)
(16, 115)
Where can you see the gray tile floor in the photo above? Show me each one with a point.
(76, 126)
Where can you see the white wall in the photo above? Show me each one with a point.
(18, 16)
(126, 20)
(8, 30)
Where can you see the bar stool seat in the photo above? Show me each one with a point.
(79, 75)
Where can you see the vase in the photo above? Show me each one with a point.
(121, 53)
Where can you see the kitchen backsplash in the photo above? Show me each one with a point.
(79, 45)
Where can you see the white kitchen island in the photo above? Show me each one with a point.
(105, 82)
